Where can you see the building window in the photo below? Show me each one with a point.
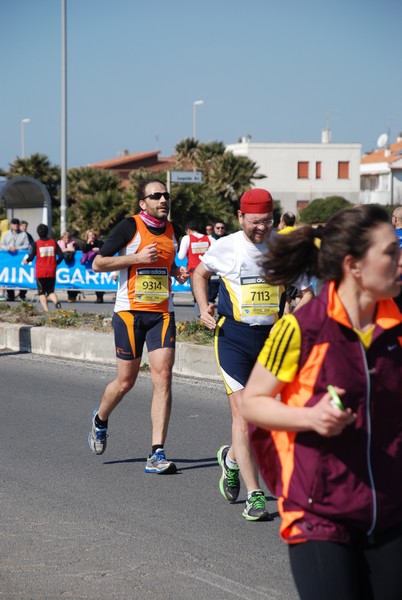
(343, 170)
(318, 170)
(302, 204)
(302, 170)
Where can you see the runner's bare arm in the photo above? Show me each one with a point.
(200, 291)
(147, 255)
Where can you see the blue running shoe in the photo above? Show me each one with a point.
(157, 463)
(97, 437)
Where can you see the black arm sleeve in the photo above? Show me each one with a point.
(120, 236)
(177, 231)
(59, 254)
(32, 252)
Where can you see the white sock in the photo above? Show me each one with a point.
(232, 464)
(249, 494)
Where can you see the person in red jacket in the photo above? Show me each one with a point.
(331, 448)
(192, 246)
(48, 255)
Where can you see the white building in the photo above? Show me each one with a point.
(381, 174)
(298, 173)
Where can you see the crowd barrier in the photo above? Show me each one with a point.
(15, 275)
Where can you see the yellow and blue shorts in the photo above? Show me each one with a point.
(237, 346)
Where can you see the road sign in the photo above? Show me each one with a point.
(185, 176)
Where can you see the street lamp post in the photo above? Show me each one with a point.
(23, 122)
(63, 194)
(195, 104)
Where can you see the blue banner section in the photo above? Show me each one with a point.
(180, 287)
(13, 274)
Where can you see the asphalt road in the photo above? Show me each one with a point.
(80, 526)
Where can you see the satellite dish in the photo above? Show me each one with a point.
(382, 140)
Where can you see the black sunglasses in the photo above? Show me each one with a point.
(158, 196)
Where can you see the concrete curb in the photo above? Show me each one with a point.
(191, 360)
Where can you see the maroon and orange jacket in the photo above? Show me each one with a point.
(328, 488)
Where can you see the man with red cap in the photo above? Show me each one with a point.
(247, 308)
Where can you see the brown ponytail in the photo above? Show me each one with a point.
(291, 255)
(348, 232)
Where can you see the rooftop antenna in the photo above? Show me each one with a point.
(330, 113)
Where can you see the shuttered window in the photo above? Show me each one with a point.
(318, 170)
(302, 170)
(343, 170)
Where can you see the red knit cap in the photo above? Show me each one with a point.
(256, 201)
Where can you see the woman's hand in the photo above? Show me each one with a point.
(328, 420)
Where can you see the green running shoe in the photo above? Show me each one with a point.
(255, 508)
(229, 483)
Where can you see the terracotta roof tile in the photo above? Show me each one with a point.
(380, 155)
(126, 158)
(123, 165)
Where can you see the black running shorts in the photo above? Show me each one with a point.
(134, 328)
(45, 285)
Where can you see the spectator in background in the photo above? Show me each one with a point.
(68, 247)
(79, 243)
(48, 255)
(291, 293)
(219, 230)
(209, 229)
(4, 227)
(24, 227)
(287, 222)
(13, 240)
(90, 249)
(397, 223)
(192, 246)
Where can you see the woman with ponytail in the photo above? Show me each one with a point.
(331, 448)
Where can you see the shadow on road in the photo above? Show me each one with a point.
(196, 463)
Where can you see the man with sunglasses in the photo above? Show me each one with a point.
(146, 246)
(219, 231)
(247, 308)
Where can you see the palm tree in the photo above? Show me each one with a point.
(96, 199)
(185, 151)
(205, 153)
(39, 167)
(230, 176)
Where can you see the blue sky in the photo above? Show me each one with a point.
(278, 71)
